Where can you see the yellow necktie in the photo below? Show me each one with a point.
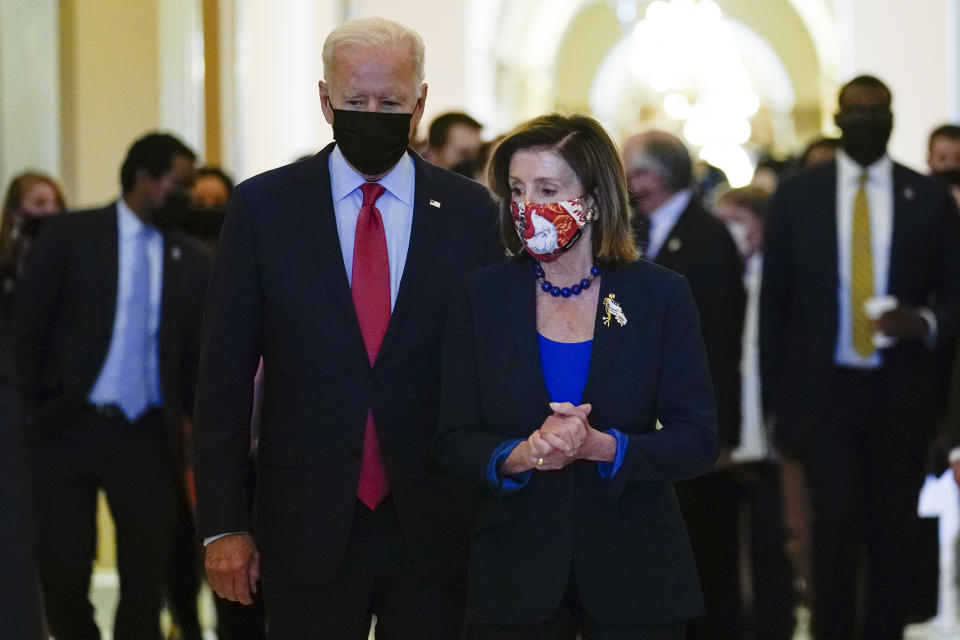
(861, 272)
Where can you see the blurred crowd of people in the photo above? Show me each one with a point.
(815, 511)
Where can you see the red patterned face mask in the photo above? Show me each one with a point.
(550, 228)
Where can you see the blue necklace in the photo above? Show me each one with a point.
(566, 292)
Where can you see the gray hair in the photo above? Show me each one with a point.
(375, 32)
(665, 155)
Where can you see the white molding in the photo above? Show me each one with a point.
(29, 88)
(181, 72)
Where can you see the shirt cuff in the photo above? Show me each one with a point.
(954, 455)
(609, 469)
(929, 340)
(207, 541)
(505, 483)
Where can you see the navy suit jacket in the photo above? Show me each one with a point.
(279, 291)
(700, 248)
(623, 537)
(799, 307)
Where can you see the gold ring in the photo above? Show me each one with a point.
(539, 462)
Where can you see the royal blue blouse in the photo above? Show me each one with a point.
(565, 366)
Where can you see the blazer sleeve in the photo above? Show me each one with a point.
(228, 362)
(687, 445)
(35, 306)
(461, 446)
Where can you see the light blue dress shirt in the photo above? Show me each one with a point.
(395, 205)
(109, 384)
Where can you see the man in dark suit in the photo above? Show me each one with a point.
(336, 271)
(849, 378)
(107, 346)
(677, 232)
(19, 591)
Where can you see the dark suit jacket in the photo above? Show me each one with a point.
(700, 248)
(623, 537)
(799, 307)
(279, 290)
(19, 590)
(65, 309)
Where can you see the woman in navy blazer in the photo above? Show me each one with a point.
(575, 393)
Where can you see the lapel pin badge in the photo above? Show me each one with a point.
(434, 203)
(614, 310)
(674, 244)
(908, 193)
(175, 252)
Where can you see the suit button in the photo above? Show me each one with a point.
(372, 383)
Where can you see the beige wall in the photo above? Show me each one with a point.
(442, 25)
(29, 86)
(110, 90)
(905, 45)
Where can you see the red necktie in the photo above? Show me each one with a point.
(371, 300)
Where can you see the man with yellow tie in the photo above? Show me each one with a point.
(861, 282)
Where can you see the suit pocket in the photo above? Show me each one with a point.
(494, 512)
(281, 454)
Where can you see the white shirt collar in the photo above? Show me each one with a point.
(344, 179)
(669, 212)
(849, 170)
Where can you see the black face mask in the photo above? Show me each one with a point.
(865, 137)
(172, 212)
(30, 225)
(204, 223)
(371, 142)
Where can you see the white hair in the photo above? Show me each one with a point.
(375, 32)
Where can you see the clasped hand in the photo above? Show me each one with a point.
(565, 436)
(560, 439)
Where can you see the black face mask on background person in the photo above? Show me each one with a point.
(372, 142)
(865, 137)
(30, 225)
(172, 211)
(204, 223)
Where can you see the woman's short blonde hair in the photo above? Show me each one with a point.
(375, 32)
(586, 147)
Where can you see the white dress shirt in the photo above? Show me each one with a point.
(879, 188)
(664, 219)
(107, 388)
(753, 433)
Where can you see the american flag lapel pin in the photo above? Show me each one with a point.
(908, 193)
(175, 252)
(434, 203)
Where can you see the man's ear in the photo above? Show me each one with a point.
(325, 105)
(418, 110)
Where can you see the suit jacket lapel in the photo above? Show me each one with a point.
(670, 254)
(320, 233)
(519, 296)
(172, 267)
(904, 195)
(428, 227)
(606, 340)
